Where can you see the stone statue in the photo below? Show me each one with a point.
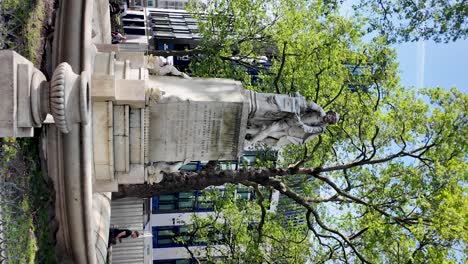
(155, 171)
(159, 65)
(277, 120)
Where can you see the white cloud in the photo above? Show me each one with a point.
(421, 62)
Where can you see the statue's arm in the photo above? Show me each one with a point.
(313, 129)
(316, 108)
(270, 129)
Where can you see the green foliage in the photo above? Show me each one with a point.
(24, 247)
(232, 232)
(407, 20)
(25, 21)
(23, 31)
(8, 150)
(390, 179)
(27, 222)
(40, 199)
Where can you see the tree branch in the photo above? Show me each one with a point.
(166, 53)
(307, 157)
(282, 188)
(278, 76)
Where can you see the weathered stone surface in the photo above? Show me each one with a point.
(135, 175)
(103, 88)
(104, 63)
(121, 139)
(9, 62)
(199, 119)
(130, 92)
(107, 47)
(136, 59)
(25, 118)
(136, 146)
(103, 140)
(106, 186)
(101, 224)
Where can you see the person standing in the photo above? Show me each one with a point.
(116, 234)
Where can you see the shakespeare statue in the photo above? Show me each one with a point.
(277, 120)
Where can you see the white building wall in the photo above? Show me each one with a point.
(274, 201)
(181, 218)
(182, 253)
(175, 219)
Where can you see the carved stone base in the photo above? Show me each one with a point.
(28, 98)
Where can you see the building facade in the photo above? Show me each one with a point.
(167, 4)
(172, 212)
(170, 215)
(170, 4)
(156, 29)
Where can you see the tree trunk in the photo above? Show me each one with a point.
(186, 181)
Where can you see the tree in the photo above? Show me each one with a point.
(386, 184)
(408, 20)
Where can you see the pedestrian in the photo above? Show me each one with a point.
(116, 234)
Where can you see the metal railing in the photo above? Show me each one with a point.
(14, 230)
(10, 26)
(11, 189)
(11, 222)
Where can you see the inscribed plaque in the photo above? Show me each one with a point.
(188, 130)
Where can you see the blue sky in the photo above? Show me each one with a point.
(429, 64)
(432, 64)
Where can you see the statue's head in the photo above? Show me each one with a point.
(331, 117)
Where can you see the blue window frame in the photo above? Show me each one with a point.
(195, 201)
(178, 261)
(243, 194)
(173, 261)
(170, 236)
(165, 236)
(176, 236)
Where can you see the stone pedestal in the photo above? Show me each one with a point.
(20, 82)
(118, 98)
(197, 119)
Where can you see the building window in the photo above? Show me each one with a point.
(195, 201)
(164, 237)
(172, 261)
(178, 261)
(170, 236)
(177, 236)
(138, 3)
(243, 193)
(151, 3)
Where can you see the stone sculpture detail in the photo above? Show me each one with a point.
(29, 98)
(159, 65)
(155, 171)
(63, 82)
(277, 120)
